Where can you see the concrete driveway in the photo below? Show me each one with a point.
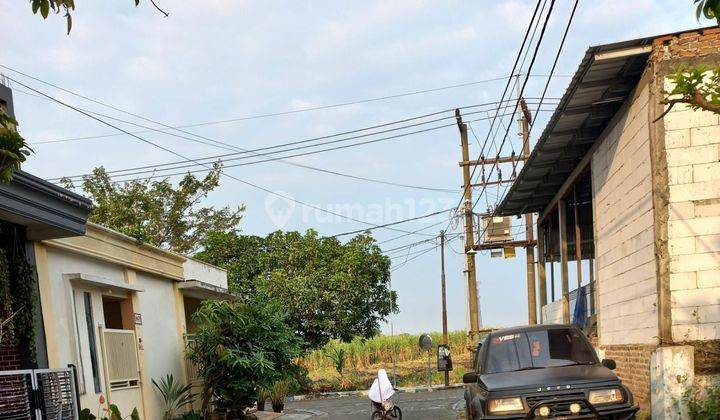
(443, 404)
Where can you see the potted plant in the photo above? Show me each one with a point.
(13, 149)
(262, 395)
(278, 392)
(175, 395)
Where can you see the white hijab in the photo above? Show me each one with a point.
(381, 388)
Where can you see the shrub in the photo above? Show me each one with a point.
(175, 395)
(704, 404)
(239, 348)
(337, 355)
(279, 391)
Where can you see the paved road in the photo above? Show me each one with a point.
(442, 405)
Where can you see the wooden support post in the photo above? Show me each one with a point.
(552, 260)
(562, 232)
(591, 278)
(542, 282)
(469, 234)
(444, 308)
(552, 277)
(578, 238)
(529, 249)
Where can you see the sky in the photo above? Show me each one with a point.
(214, 60)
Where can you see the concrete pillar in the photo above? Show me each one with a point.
(672, 373)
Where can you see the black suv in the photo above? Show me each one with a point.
(543, 371)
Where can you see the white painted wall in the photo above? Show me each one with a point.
(692, 141)
(161, 342)
(197, 270)
(160, 334)
(72, 346)
(623, 217)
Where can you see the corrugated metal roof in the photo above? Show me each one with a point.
(597, 90)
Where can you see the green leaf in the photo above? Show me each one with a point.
(35, 6)
(699, 9)
(69, 22)
(44, 8)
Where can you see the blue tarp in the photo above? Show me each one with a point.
(580, 313)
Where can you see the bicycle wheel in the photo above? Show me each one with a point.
(377, 415)
(396, 413)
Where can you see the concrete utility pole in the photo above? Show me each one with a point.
(529, 249)
(469, 232)
(444, 307)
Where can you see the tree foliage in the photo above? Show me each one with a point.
(13, 149)
(708, 8)
(157, 212)
(65, 7)
(240, 347)
(698, 87)
(331, 290)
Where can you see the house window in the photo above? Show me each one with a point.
(91, 341)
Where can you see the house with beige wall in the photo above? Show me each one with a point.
(115, 310)
(118, 310)
(628, 212)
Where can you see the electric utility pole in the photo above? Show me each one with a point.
(469, 233)
(529, 249)
(444, 307)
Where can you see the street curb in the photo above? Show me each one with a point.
(342, 394)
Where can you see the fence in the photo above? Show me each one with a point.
(37, 394)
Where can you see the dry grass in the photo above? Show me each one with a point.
(364, 358)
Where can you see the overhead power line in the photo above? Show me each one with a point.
(502, 98)
(547, 84)
(425, 216)
(522, 90)
(243, 154)
(267, 190)
(248, 117)
(419, 255)
(158, 172)
(227, 146)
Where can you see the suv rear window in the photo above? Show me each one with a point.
(538, 349)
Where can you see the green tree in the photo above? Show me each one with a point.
(240, 347)
(13, 149)
(331, 289)
(157, 212)
(65, 6)
(699, 86)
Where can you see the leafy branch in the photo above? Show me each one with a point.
(13, 149)
(698, 87)
(708, 8)
(65, 6)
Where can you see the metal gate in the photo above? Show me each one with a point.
(38, 394)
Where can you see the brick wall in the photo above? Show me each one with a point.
(9, 358)
(633, 368)
(692, 143)
(623, 224)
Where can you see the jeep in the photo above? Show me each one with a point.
(543, 371)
